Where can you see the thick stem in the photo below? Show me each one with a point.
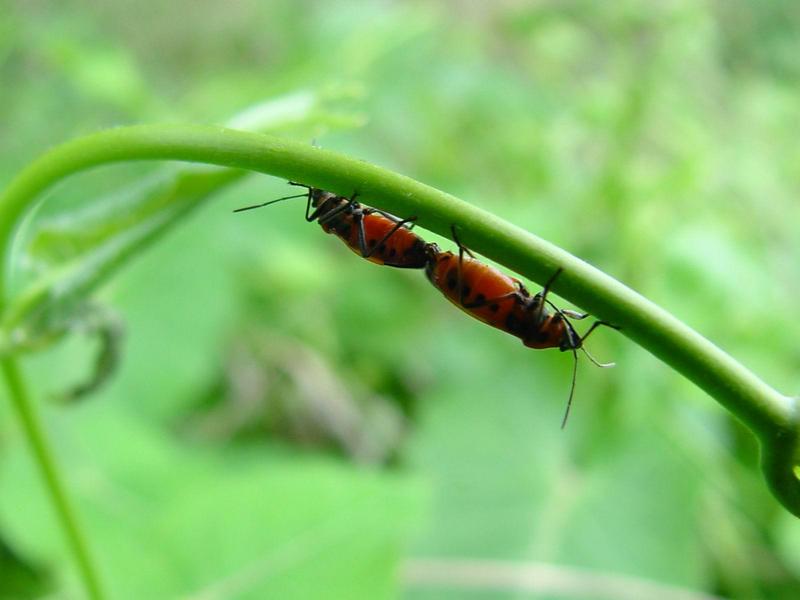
(31, 425)
(771, 415)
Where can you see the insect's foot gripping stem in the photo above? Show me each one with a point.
(461, 247)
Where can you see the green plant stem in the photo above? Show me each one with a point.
(772, 416)
(31, 424)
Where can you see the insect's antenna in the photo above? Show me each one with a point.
(571, 388)
(596, 362)
(303, 185)
(270, 202)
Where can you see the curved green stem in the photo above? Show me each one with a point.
(26, 412)
(773, 417)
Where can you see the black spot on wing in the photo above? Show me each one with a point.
(451, 279)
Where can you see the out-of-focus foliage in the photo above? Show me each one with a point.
(291, 421)
(20, 579)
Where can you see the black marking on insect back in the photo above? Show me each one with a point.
(452, 279)
(372, 242)
(513, 324)
(479, 299)
(465, 291)
(393, 252)
(494, 307)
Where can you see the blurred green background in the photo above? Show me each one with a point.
(289, 421)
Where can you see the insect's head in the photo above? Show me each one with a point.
(432, 254)
(432, 251)
(320, 197)
(570, 340)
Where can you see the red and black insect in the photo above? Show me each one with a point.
(374, 234)
(501, 301)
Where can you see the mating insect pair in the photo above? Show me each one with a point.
(479, 289)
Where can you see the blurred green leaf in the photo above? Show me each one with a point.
(20, 580)
(76, 252)
(249, 522)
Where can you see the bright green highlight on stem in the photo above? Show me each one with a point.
(772, 416)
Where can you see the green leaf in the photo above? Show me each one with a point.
(176, 519)
(19, 579)
(70, 255)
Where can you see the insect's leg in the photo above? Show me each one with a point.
(361, 234)
(549, 284)
(331, 214)
(311, 217)
(594, 326)
(542, 297)
(411, 220)
(573, 314)
(392, 217)
(461, 247)
(523, 292)
(324, 217)
(574, 336)
(460, 265)
(518, 293)
(358, 219)
(389, 216)
(351, 204)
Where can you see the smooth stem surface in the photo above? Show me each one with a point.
(31, 425)
(773, 417)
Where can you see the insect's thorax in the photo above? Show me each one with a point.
(333, 218)
(549, 330)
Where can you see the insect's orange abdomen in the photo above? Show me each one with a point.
(403, 248)
(384, 242)
(479, 282)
